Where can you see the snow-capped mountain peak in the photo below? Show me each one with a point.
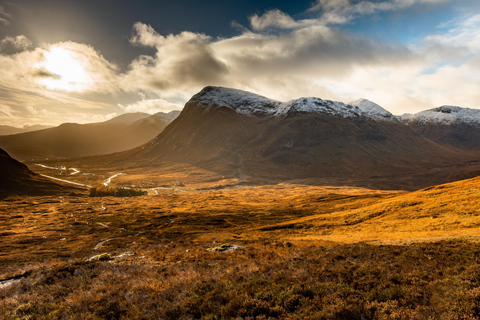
(317, 105)
(373, 110)
(444, 115)
(240, 101)
(255, 105)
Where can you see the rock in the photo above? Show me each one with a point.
(100, 257)
(225, 247)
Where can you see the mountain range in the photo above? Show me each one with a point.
(238, 133)
(77, 140)
(5, 130)
(255, 139)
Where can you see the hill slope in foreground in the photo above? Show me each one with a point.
(16, 178)
(161, 256)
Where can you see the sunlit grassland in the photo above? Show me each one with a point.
(303, 252)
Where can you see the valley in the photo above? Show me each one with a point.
(297, 251)
(248, 208)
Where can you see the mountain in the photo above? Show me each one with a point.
(373, 110)
(5, 130)
(76, 140)
(447, 125)
(16, 178)
(128, 118)
(234, 132)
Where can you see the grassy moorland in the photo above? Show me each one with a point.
(294, 252)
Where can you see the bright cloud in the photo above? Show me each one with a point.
(463, 34)
(277, 19)
(37, 85)
(151, 106)
(66, 66)
(76, 67)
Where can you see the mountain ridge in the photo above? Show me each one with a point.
(256, 105)
(451, 126)
(250, 136)
(76, 140)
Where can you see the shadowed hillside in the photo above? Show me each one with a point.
(16, 178)
(77, 140)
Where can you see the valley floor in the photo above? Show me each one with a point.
(289, 251)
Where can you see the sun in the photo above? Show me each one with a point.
(63, 69)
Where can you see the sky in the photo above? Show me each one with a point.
(88, 61)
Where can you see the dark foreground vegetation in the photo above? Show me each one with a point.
(263, 280)
(102, 191)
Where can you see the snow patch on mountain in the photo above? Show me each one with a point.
(317, 105)
(444, 115)
(240, 101)
(252, 104)
(373, 110)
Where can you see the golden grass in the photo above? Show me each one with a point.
(286, 212)
(309, 251)
(441, 212)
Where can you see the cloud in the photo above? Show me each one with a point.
(275, 19)
(44, 73)
(75, 67)
(463, 36)
(151, 106)
(66, 66)
(6, 111)
(262, 62)
(284, 58)
(24, 86)
(11, 44)
(5, 17)
(343, 11)
(314, 50)
(279, 57)
(181, 62)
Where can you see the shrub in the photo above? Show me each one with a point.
(102, 191)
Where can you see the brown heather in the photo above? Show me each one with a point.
(304, 252)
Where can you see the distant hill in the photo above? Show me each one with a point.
(127, 118)
(16, 178)
(243, 134)
(6, 130)
(76, 140)
(448, 125)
